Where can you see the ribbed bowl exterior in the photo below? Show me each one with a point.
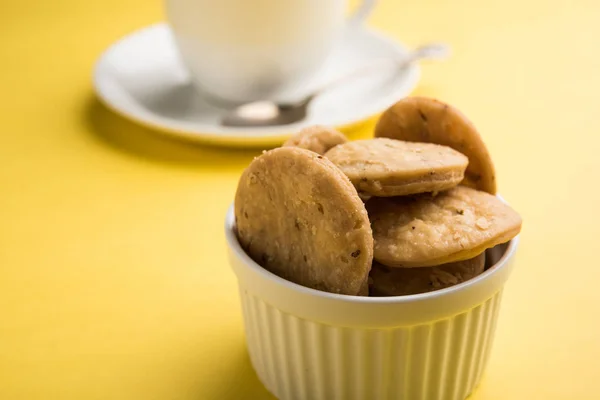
(300, 359)
(313, 345)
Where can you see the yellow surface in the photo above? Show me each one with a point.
(113, 277)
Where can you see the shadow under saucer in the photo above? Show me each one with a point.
(133, 139)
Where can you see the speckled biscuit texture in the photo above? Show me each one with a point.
(421, 119)
(298, 216)
(386, 167)
(426, 230)
(316, 138)
(386, 281)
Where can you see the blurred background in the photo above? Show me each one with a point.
(113, 277)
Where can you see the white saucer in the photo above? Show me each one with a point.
(142, 78)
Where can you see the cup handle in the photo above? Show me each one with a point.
(361, 13)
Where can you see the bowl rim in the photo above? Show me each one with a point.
(234, 245)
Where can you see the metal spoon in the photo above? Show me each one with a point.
(268, 113)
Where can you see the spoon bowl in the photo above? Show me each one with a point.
(268, 113)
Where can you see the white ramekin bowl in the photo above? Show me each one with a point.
(308, 344)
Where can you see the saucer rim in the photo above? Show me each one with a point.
(228, 136)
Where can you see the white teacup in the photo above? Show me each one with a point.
(245, 50)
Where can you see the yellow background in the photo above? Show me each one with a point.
(113, 277)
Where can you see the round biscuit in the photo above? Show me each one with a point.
(421, 119)
(298, 216)
(316, 138)
(386, 281)
(385, 167)
(426, 230)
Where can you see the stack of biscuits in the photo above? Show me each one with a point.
(410, 211)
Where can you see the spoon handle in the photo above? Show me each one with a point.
(431, 51)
